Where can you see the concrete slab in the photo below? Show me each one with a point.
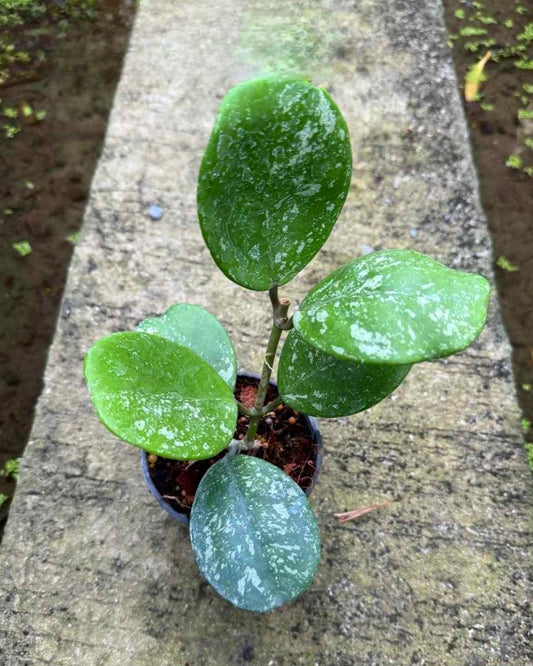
(92, 572)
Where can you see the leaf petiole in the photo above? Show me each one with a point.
(280, 322)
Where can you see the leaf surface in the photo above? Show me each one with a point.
(273, 179)
(160, 396)
(253, 533)
(319, 384)
(193, 327)
(395, 306)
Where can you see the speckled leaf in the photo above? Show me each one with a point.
(396, 306)
(273, 180)
(319, 384)
(196, 328)
(253, 533)
(160, 396)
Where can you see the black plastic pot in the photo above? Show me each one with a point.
(314, 436)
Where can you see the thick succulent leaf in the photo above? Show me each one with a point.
(160, 396)
(193, 327)
(396, 306)
(253, 533)
(273, 180)
(319, 384)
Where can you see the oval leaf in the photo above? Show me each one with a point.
(160, 396)
(196, 328)
(273, 179)
(253, 533)
(396, 306)
(318, 384)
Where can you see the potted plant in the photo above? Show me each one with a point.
(272, 183)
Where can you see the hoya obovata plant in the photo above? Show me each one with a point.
(272, 183)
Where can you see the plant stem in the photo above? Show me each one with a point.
(271, 405)
(273, 341)
(280, 309)
(245, 411)
(280, 322)
(233, 447)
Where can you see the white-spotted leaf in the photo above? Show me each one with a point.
(394, 307)
(273, 179)
(160, 396)
(196, 328)
(319, 384)
(253, 533)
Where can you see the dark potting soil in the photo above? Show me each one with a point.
(285, 442)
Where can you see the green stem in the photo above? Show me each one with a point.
(233, 447)
(271, 405)
(280, 322)
(245, 411)
(273, 341)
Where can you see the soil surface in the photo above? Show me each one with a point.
(500, 127)
(46, 170)
(285, 441)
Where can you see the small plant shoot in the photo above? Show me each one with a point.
(272, 183)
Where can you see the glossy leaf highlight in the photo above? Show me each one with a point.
(319, 384)
(196, 328)
(273, 179)
(395, 306)
(160, 396)
(253, 533)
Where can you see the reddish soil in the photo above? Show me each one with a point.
(286, 441)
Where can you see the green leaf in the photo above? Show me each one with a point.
(197, 329)
(505, 264)
(322, 385)
(23, 248)
(394, 307)
(11, 468)
(273, 180)
(160, 396)
(253, 533)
